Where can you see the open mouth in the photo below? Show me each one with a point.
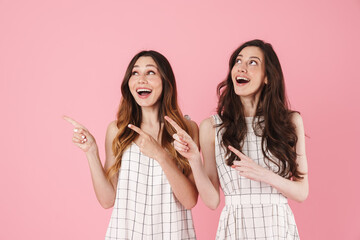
(242, 80)
(143, 92)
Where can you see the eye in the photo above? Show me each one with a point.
(151, 73)
(252, 63)
(134, 73)
(238, 60)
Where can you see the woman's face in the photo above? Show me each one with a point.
(248, 72)
(145, 83)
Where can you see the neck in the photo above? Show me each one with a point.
(151, 122)
(250, 105)
(150, 115)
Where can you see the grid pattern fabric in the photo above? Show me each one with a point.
(253, 210)
(145, 206)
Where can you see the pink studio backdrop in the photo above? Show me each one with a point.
(69, 57)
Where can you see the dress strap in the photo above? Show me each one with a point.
(217, 119)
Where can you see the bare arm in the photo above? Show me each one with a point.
(205, 176)
(183, 187)
(296, 189)
(104, 190)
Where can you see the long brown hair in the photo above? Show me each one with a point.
(130, 113)
(272, 120)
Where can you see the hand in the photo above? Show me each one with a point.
(148, 145)
(82, 137)
(248, 168)
(183, 143)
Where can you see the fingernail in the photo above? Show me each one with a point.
(129, 125)
(82, 136)
(76, 130)
(233, 166)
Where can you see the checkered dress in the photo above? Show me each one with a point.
(145, 206)
(253, 210)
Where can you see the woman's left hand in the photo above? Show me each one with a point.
(248, 168)
(148, 145)
(183, 143)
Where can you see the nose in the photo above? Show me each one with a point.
(242, 68)
(142, 79)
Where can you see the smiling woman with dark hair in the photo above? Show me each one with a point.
(254, 148)
(149, 184)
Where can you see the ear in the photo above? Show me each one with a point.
(266, 80)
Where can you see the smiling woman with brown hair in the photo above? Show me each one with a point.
(254, 148)
(149, 184)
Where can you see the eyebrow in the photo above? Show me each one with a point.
(251, 57)
(147, 65)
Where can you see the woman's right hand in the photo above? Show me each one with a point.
(183, 143)
(82, 137)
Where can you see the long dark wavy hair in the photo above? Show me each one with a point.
(130, 113)
(272, 121)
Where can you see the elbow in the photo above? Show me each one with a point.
(213, 204)
(189, 205)
(300, 200)
(302, 197)
(106, 204)
(106, 200)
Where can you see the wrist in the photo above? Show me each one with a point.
(269, 177)
(195, 161)
(163, 156)
(92, 152)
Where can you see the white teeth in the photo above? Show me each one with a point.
(242, 78)
(143, 90)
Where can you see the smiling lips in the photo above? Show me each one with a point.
(143, 92)
(242, 80)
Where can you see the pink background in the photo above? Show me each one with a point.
(69, 57)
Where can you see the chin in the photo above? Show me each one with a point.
(241, 93)
(146, 104)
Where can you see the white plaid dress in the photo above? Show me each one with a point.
(253, 210)
(145, 206)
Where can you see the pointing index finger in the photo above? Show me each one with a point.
(174, 124)
(237, 152)
(136, 129)
(73, 122)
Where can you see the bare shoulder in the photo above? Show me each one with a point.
(112, 129)
(207, 124)
(193, 127)
(207, 133)
(110, 158)
(297, 120)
